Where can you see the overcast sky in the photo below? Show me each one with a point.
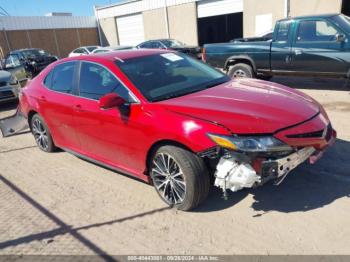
(41, 7)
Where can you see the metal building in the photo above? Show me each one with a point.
(200, 21)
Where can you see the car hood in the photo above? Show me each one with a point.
(247, 106)
(4, 76)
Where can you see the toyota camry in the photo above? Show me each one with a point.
(172, 121)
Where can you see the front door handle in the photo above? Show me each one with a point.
(298, 52)
(78, 108)
(288, 59)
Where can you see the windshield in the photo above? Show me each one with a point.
(91, 48)
(97, 51)
(164, 76)
(172, 43)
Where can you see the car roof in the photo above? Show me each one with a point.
(114, 47)
(161, 39)
(25, 49)
(119, 55)
(310, 16)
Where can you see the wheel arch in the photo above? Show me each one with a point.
(233, 60)
(160, 143)
(31, 113)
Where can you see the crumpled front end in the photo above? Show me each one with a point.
(250, 161)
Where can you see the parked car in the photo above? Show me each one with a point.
(171, 120)
(9, 87)
(301, 46)
(111, 49)
(84, 50)
(172, 44)
(27, 63)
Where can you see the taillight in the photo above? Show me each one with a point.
(204, 55)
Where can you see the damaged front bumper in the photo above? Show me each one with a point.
(234, 175)
(14, 124)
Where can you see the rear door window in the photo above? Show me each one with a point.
(62, 78)
(96, 81)
(146, 45)
(80, 51)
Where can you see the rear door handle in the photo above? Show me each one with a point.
(42, 99)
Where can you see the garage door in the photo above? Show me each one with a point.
(208, 8)
(130, 29)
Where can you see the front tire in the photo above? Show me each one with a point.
(42, 134)
(241, 70)
(180, 178)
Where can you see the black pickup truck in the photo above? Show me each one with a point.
(303, 46)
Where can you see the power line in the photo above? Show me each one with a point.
(4, 11)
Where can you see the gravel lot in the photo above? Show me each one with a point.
(59, 204)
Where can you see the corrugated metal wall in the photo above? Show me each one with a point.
(57, 35)
(46, 22)
(136, 7)
(59, 42)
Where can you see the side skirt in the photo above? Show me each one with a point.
(142, 178)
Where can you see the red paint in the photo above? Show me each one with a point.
(111, 137)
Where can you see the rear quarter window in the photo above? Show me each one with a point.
(48, 78)
(60, 79)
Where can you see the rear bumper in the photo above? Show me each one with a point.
(14, 124)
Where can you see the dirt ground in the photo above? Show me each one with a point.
(59, 204)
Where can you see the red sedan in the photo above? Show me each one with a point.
(173, 121)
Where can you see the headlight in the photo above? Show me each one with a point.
(250, 144)
(13, 80)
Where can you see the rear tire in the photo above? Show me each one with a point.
(180, 178)
(241, 70)
(42, 134)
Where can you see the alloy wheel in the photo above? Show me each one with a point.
(40, 134)
(168, 179)
(239, 73)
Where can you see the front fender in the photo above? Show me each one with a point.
(189, 131)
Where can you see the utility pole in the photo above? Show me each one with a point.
(287, 8)
(166, 19)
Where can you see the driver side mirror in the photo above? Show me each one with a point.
(111, 100)
(340, 38)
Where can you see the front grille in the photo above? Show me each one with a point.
(3, 83)
(6, 94)
(316, 134)
(306, 135)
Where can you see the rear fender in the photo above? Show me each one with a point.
(239, 59)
